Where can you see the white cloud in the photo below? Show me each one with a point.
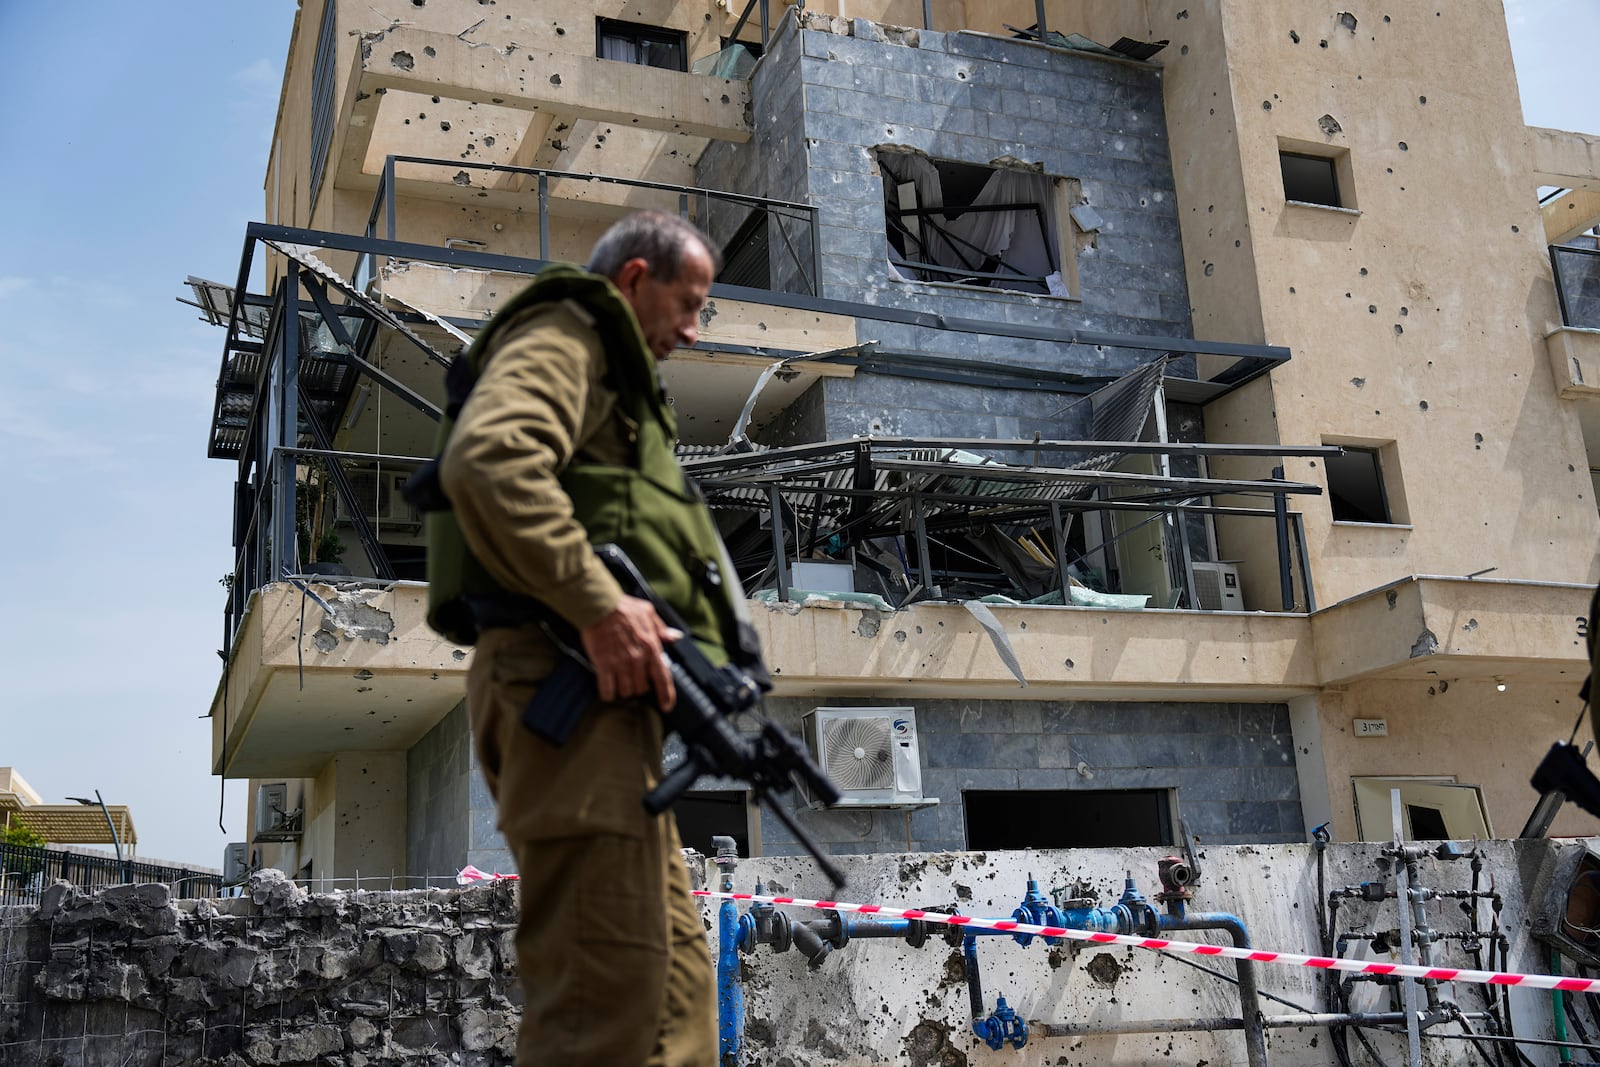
(11, 283)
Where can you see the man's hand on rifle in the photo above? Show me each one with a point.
(625, 650)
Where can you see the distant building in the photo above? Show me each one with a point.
(1243, 331)
(75, 823)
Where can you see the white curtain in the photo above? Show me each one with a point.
(1015, 236)
(620, 49)
(974, 237)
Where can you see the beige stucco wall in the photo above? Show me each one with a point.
(370, 832)
(355, 822)
(1467, 730)
(550, 115)
(1420, 321)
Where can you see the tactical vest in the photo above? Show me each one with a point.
(650, 509)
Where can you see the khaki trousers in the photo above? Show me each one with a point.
(611, 951)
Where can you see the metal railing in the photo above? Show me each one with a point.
(1577, 276)
(790, 229)
(25, 872)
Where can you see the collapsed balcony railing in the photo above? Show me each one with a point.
(297, 370)
(923, 502)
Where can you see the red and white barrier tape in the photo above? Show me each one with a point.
(1442, 974)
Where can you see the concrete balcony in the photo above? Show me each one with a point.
(1575, 361)
(933, 651)
(1424, 626)
(526, 97)
(347, 669)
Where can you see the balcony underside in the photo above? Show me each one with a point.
(307, 682)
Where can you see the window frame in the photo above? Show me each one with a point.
(1058, 229)
(1417, 786)
(1389, 486)
(640, 34)
(1030, 803)
(1341, 173)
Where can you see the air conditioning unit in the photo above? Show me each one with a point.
(1216, 586)
(378, 494)
(871, 754)
(235, 863)
(274, 820)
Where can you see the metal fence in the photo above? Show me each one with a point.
(25, 872)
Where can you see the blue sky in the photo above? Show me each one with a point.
(136, 137)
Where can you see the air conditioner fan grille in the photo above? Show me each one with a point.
(860, 753)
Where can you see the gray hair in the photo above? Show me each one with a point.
(653, 236)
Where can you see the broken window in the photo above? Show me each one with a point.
(1431, 809)
(994, 227)
(650, 46)
(1067, 818)
(1310, 179)
(1358, 489)
(736, 59)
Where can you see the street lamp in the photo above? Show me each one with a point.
(115, 840)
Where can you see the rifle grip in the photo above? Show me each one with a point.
(553, 710)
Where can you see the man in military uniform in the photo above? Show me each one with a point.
(566, 439)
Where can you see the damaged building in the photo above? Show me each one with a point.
(1126, 417)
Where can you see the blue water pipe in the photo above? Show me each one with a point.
(817, 938)
(1132, 914)
(730, 988)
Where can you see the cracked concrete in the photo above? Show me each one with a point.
(352, 616)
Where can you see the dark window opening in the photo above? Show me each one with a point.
(1310, 179)
(1067, 818)
(704, 814)
(966, 224)
(1427, 824)
(409, 561)
(745, 258)
(650, 46)
(1355, 487)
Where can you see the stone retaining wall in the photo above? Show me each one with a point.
(130, 977)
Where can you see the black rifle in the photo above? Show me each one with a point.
(1564, 770)
(708, 697)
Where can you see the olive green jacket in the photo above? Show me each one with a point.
(548, 454)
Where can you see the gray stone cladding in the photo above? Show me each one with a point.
(450, 817)
(1230, 768)
(129, 977)
(830, 92)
